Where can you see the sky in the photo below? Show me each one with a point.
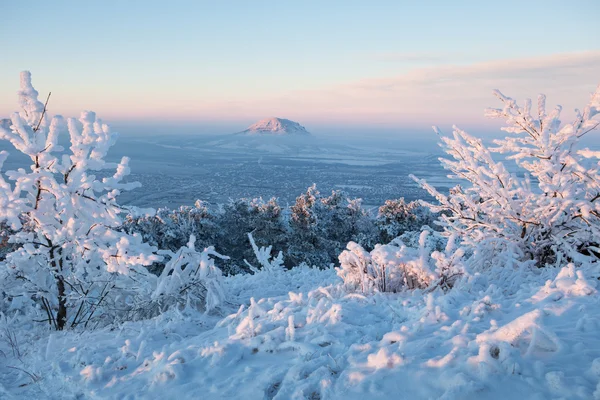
(326, 64)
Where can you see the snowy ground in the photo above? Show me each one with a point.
(299, 335)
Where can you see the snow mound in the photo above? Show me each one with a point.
(276, 126)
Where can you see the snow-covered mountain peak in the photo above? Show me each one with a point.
(276, 126)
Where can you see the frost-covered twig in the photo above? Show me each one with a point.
(190, 278)
(265, 259)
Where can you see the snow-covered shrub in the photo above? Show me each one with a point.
(434, 241)
(306, 241)
(267, 262)
(361, 225)
(449, 264)
(190, 279)
(395, 267)
(64, 219)
(548, 212)
(171, 229)
(322, 225)
(237, 218)
(343, 220)
(397, 216)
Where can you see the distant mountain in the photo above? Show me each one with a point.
(275, 126)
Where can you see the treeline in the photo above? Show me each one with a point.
(314, 230)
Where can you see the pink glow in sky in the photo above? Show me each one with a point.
(451, 93)
(389, 63)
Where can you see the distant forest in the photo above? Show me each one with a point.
(314, 230)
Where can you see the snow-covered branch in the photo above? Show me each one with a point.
(547, 212)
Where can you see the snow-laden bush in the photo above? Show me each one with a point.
(548, 212)
(237, 218)
(171, 229)
(396, 267)
(396, 217)
(190, 279)
(434, 240)
(449, 264)
(320, 227)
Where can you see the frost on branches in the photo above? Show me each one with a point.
(71, 255)
(267, 262)
(190, 279)
(397, 216)
(549, 212)
(395, 267)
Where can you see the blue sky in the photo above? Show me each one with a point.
(394, 63)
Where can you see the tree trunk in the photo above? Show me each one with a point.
(61, 316)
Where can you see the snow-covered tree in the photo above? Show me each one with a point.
(342, 220)
(238, 218)
(322, 225)
(171, 229)
(548, 212)
(307, 236)
(64, 218)
(397, 216)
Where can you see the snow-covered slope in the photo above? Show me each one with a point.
(528, 334)
(275, 126)
(269, 135)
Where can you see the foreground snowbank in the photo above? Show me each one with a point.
(298, 334)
